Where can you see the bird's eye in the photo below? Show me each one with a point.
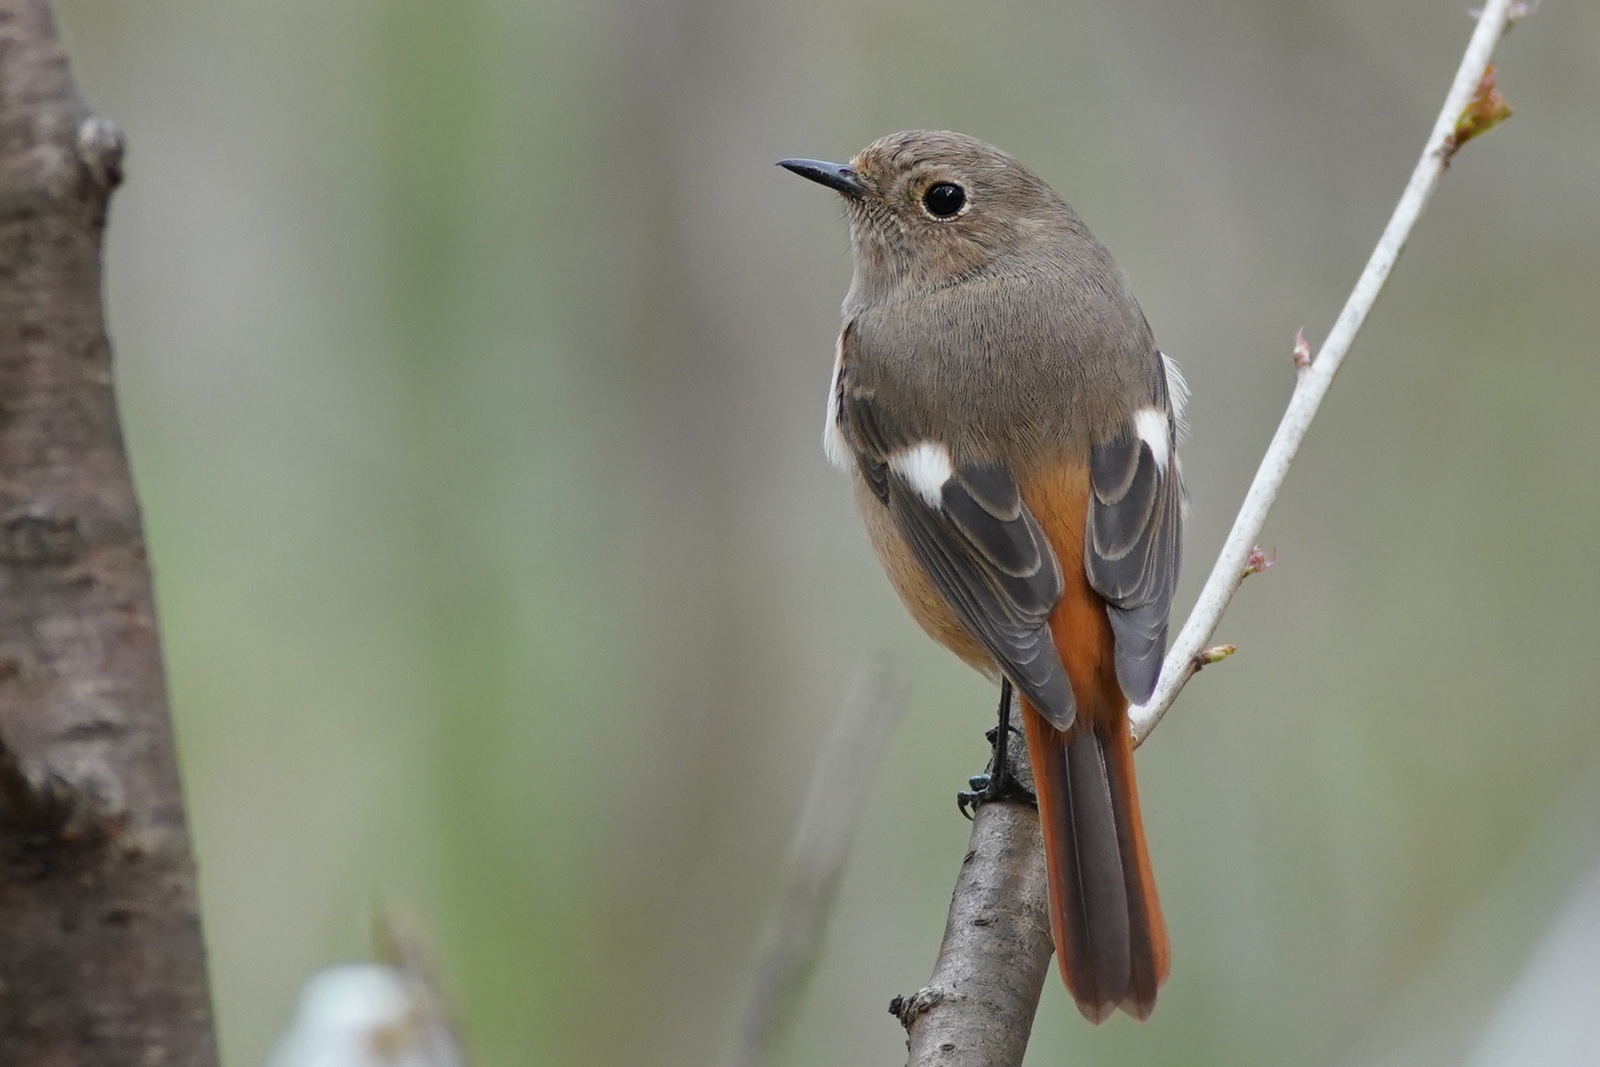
(944, 200)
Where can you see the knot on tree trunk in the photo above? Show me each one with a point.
(909, 1009)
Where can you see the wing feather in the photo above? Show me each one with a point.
(1131, 554)
(982, 549)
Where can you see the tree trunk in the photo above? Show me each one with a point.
(101, 960)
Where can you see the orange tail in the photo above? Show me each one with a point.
(1110, 938)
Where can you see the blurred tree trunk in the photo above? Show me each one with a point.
(101, 960)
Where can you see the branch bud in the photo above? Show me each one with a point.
(1259, 561)
(1302, 350)
(1215, 654)
(1486, 111)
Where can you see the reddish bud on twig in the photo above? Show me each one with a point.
(1487, 110)
(1258, 561)
(1302, 350)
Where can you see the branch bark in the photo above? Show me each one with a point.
(977, 1010)
(101, 960)
(970, 1015)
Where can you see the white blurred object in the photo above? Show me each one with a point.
(1551, 1015)
(367, 1015)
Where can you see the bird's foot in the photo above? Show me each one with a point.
(1000, 784)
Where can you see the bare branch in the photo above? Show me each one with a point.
(977, 1009)
(1471, 107)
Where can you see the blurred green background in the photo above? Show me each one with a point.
(473, 355)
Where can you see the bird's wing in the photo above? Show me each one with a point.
(1131, 540)
(975, 539)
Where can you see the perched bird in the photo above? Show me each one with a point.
(1009, 423)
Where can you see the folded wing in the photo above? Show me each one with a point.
(979, 545)
(1131, 545)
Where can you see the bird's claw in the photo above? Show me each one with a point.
(987, 790)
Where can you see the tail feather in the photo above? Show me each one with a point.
(1110, 938)
(1148, 944)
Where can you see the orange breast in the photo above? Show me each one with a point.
(916, 591)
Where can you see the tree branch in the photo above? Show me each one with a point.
(101, 959)
(1462, 118)
(978, 1009)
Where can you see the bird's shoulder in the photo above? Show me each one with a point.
(1005, 358)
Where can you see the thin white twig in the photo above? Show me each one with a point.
(1313, 381)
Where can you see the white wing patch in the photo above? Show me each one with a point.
(1177, 392)
(834, 446)
(1151, 426)
(925, 467)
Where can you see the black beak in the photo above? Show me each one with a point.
(835, 176)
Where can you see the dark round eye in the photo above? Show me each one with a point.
(944, 199)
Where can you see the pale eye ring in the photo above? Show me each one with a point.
(944, 200)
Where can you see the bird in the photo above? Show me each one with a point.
(1011, 426)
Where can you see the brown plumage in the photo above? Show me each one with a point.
(1008, 420)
